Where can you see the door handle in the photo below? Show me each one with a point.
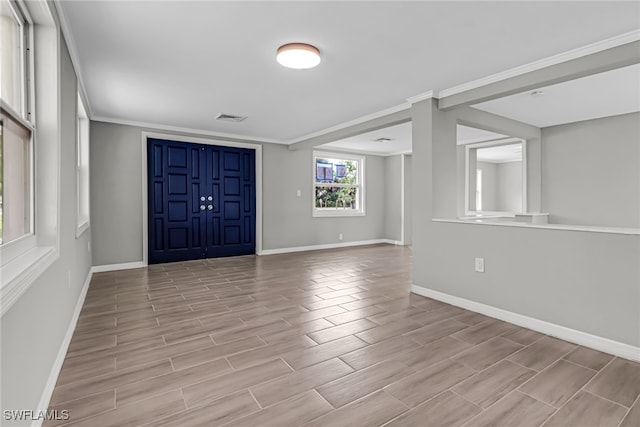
(202, 207)
(210, 207)
(210, 198)
(202, 198)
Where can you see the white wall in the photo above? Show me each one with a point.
(591, 172)
(34, 328)
(116, 198)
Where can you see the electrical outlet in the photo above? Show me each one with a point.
(340, 236)
(480, 265)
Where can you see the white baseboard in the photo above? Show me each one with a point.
(595, 342)
(326, 246)
(62, 352)
(114, 267)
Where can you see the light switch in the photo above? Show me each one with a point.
(299, 193)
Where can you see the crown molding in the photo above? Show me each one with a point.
(182, 130)
(422, 96)
(364, 152)
(73, 53)
(359, 120)
(589, 49)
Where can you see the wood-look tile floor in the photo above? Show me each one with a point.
(320, 338)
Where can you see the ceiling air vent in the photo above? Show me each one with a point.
(230, 117)
(383, 140)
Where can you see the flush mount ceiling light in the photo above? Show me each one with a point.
(383, 140)
(299, 56)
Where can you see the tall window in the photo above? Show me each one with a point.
(478, 189)
(338, 184)
(16, 150)
(82, 167)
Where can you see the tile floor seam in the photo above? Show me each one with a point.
(608, 400)
(535, 375)
(581, 389)
(635, 402)
(576, 364)
(254, 398)
(450, 389)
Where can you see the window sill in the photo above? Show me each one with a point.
(82, 228)
(20, 273)
(562, 227)
(336, 213)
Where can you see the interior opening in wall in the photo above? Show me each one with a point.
(495, 176)
(587, 146)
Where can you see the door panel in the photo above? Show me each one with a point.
(180, 175)
(232, 220)
(176, 225)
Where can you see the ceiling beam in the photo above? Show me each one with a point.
(475, 118)
(392, 119)
(599, 62)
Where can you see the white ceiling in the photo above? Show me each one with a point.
(400, 136)
(500, 154)
(180, 63)
(600, 95)
(468, 135)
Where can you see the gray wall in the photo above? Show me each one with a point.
(581, 280)
(287, 220)
(509, 186)
(116, 195)
(408, 199)
(591, 172)
(34, 328)
(489, 185)
(393, 198)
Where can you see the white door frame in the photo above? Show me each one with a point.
(207, 141)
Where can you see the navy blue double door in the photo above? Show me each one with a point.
(201, 201)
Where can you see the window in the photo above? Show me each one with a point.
(16, 151)
(14, 65)
(15, 184)
(82, 167)
(478, 189)
(338, 188)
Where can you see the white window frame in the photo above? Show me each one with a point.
(14, 248)
(479, 190)
(24, 260)
(82, 167)
(467, 172)
(25, 23)
(335, 212)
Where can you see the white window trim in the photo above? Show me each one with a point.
(82, 222)
(468, 191)
(478, 189)
(25, 259)
(330, 212)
